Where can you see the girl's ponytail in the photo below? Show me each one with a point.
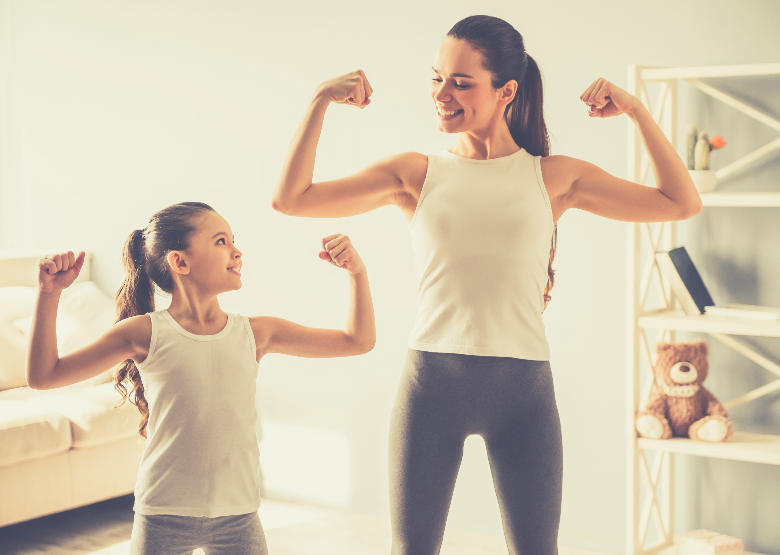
(136, 294)
(146, 268)
(134, 297)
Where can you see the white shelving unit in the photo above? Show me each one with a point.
(650, 492)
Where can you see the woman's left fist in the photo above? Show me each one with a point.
(606, 99)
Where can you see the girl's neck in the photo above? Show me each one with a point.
(200, 312)
(495, 142)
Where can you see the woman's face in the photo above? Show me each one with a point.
(462, 90)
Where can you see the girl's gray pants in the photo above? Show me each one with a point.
(181, 535)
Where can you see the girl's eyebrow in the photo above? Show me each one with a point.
(453, 74)
(217, 234)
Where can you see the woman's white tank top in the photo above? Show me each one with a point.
(481, 237)
(201, 456)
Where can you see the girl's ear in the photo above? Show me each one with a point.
(508, 92)
(176, 263)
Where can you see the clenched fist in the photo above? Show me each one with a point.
(352, 89)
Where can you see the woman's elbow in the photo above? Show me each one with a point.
(690, 209)
(280, 206)
(365, 345)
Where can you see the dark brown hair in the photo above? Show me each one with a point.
(146, 266)
(504, 56)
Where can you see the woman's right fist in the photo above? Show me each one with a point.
(352, 88)
(59, 271)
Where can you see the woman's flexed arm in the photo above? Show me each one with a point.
(591, 188)
(380, 184)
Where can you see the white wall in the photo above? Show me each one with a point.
(112, 110)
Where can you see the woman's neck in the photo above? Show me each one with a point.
(496, 142)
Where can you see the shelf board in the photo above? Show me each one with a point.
(743, 446)
(673, 551)
(751, 200)
(678, 320)
(664, 74)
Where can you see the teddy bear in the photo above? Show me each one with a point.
(679, 406)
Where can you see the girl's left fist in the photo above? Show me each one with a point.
(606, 99)
(339, 251)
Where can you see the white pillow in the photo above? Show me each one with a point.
(15, 302)
(84, 314)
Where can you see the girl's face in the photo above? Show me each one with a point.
(462, 90)
(212, 259)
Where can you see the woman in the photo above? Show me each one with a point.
(482, 217)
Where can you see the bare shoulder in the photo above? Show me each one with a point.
(559, 173)
(136, 331)
(263, 330)
(410, 167)
(141, 324)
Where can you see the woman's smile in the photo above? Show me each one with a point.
(447, 114)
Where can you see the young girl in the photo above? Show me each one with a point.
(482, 218)
(191, 370)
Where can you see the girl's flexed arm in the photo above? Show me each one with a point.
(382, 183)
(590, 188)
(45, 369)
(275, 335)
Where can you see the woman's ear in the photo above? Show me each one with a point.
(508, 92)
(176, 263)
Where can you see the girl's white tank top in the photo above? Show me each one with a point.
(481, 236)
(201, 457)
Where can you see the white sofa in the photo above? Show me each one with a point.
(67, 447)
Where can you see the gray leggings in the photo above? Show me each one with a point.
(442, 399)
(180, 535)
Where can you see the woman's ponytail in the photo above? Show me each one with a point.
(504, 56)
(525, 114)
(134, 297)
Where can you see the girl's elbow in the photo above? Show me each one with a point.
(34, 382)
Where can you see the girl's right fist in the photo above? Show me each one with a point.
(352, 88)
(58, 271)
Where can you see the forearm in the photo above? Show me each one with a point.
(671, 175)
(360, 326)
(42, 354)
(298, 167)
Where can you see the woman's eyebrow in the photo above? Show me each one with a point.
(453, 74)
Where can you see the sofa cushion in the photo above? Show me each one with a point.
(83, 315)
(15, 303)
(30, 431)
(89, 410)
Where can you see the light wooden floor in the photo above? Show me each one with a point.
(290, 529)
